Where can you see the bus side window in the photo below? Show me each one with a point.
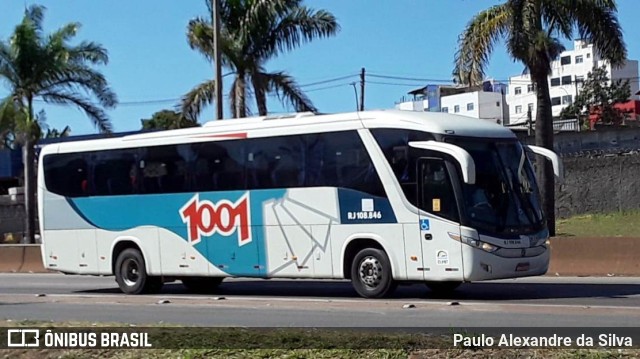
(435, 189)
(66, 174)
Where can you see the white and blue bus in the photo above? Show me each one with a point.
(376, 197)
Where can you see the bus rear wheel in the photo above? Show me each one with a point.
(202, 284)
(131, 274)
(371, 273)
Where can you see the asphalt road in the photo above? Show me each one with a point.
(540, 302)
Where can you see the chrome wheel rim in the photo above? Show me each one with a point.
(370, 271)
(130, 272)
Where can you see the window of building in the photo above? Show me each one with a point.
(456, 108)
(470, 106)
(518, 109)
(555, 81)
(497, 103)
(579, 59)
(531, 87)
(579, 81)
(555, 101)
(567, 100)
(566, 80)
(530, 107)
(565, 60)
(445, 109)
(588, 55)
(518, 91)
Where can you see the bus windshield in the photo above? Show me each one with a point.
(505, 197)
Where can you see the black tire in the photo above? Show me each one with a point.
(131, 274)
(202, 284)
(443, 288)
(371, 273)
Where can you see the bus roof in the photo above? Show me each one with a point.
(434, 122)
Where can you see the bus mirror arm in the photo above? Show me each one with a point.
(558, 168)
(463, 157)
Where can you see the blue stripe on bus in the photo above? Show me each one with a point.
(120, 213)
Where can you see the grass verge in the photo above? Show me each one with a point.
(305, 343)
(618, 224)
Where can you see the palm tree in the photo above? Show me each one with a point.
(252, 32)
(532, 30)
(43, 67)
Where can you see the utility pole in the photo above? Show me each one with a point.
(362, 89)
(529, 123)
(215, 21)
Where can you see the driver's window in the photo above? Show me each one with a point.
(436, 194)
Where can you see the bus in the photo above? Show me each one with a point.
(377, 197)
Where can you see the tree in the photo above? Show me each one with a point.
(599, 95)
(532, 30)
(45, 67)
(167, 120)
(252, 32)
(9, 117)
(54, 133)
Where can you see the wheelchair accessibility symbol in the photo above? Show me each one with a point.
(424, 224)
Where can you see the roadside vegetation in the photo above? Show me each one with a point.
(617, 224)
(293, 343)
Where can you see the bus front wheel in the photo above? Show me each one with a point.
(371, 273)
(131, 274)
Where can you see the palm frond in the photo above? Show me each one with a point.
(476, 43)
(95, 113)
(298, 26)
(288, 91)
(195, 100)
(88, 51)
(34, 15)
(597, 22)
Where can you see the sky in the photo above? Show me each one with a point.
(151, 65)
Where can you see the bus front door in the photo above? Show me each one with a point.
(439, 220)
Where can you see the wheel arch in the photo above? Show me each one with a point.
(125, 242)
(355, 244)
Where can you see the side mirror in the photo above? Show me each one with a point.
(558, 169)
(463, 157)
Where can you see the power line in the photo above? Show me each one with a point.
(408, 78)
(391, 83)
(328, 81)
(328, 87)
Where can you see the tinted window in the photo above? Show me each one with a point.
(218, 166)
(66, 174)
(555, 101)
(337, 159)
(161, 169)
(436, 194)
(555, 81)
(566, 80)
(401, 157)
(113, 172)
(565, 60)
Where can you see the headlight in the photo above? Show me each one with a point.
(488, 247)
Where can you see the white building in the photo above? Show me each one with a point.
(487, 102)
(567, 74)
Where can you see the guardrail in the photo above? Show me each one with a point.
(21, 258)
